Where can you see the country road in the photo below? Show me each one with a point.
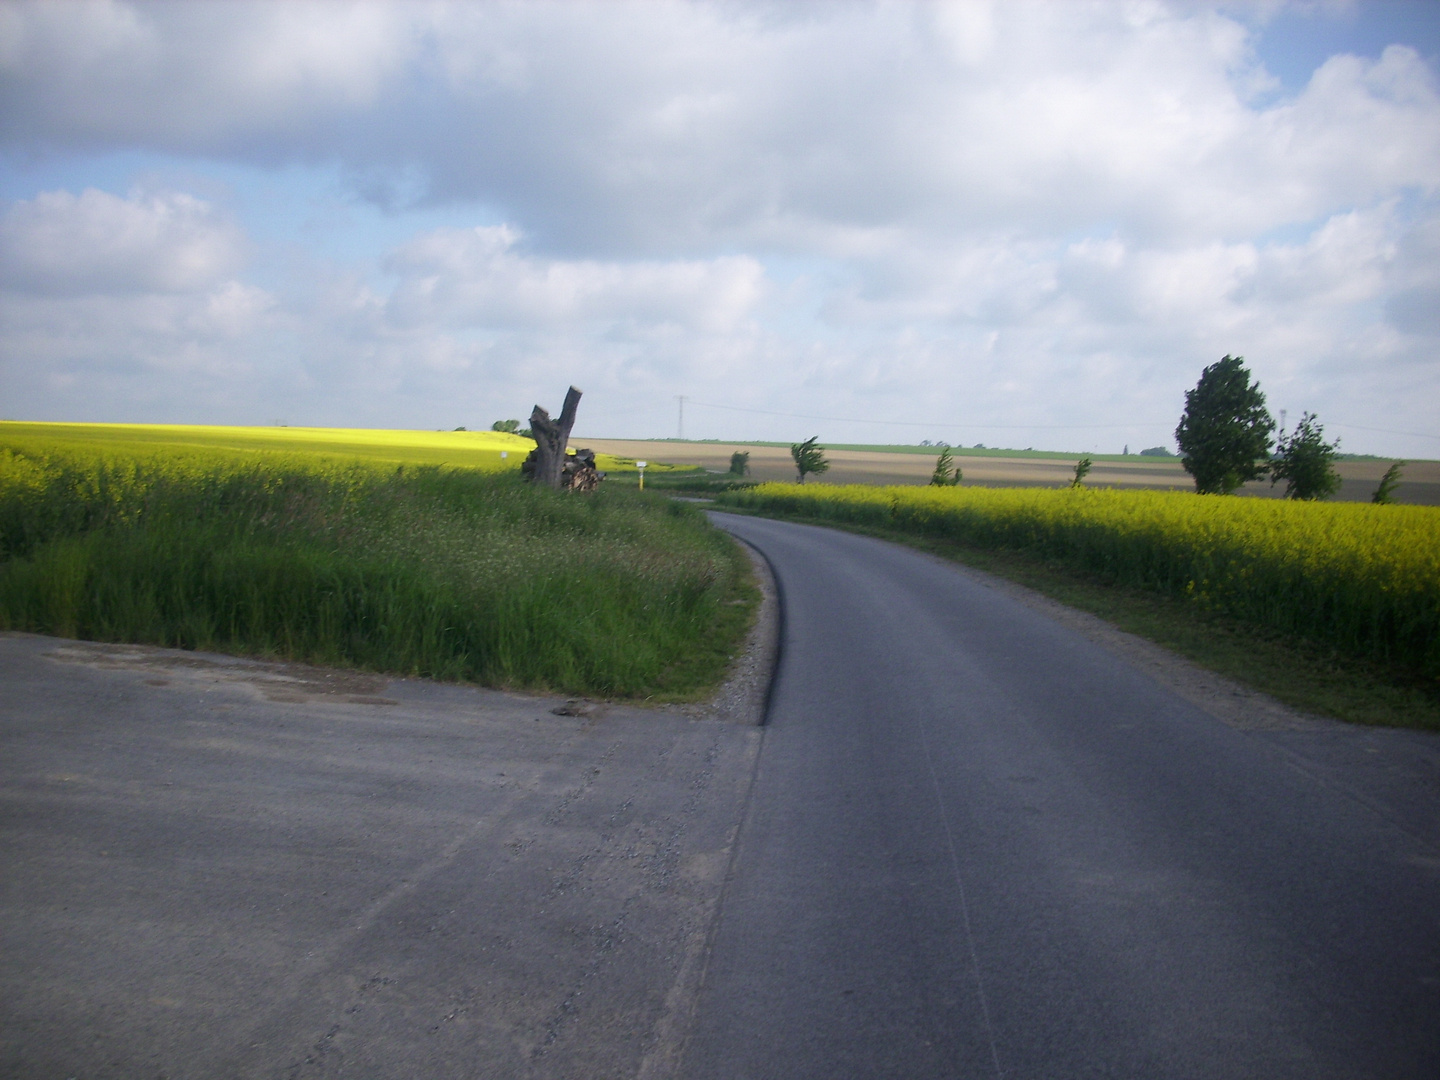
(981, 845)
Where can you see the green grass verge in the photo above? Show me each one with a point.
(444, 573)
(1299, 672)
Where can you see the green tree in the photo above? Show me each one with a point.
(1306, 462)
(1388, 483)
(1082, 469)
(809, 458)
(1224, 433)
(740, 463)
(511, 426)
(947, 473)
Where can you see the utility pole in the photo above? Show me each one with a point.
(680, 428)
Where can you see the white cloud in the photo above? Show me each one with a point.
(192, 75)
(1016, 213)
(59, 242)
(476, 277)
(665, 128)
(1412, 303)
(134, 297)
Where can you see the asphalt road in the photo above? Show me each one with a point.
(981, 845)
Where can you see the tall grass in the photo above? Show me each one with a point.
(1363, 578)
(430, 571)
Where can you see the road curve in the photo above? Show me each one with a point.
(981, 845)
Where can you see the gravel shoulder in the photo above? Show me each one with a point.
(225, 867)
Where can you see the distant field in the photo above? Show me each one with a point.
(1421, 483)
(897, 465)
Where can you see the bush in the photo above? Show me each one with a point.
(1306, 462)
(947, 473)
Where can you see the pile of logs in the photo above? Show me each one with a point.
(579, 472)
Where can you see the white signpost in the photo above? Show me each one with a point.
(641, 466)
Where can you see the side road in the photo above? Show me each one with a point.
(221, 867)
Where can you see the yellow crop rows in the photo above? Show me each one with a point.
(1363, 577)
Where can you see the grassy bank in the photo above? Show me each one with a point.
(425, 570)
(1335, 608)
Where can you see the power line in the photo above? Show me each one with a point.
(1387, 431)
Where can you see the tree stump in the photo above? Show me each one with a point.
(547, 460)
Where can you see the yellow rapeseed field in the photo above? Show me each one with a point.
(176, 450)
(1363, 577)
(461, 449)
(411, 552)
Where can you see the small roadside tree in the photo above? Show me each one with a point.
(809, 458)
(1082, 469)
(947, 473)
(1306, 462)
(1385, 493)
(1224, 433)
(740, 463)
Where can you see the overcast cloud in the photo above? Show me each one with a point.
(1019, 224)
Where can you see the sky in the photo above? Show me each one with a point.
(1016, 224)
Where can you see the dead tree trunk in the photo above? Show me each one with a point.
(548, 458)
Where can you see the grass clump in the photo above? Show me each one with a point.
(446, 573)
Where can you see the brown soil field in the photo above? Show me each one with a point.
(1420, 482)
